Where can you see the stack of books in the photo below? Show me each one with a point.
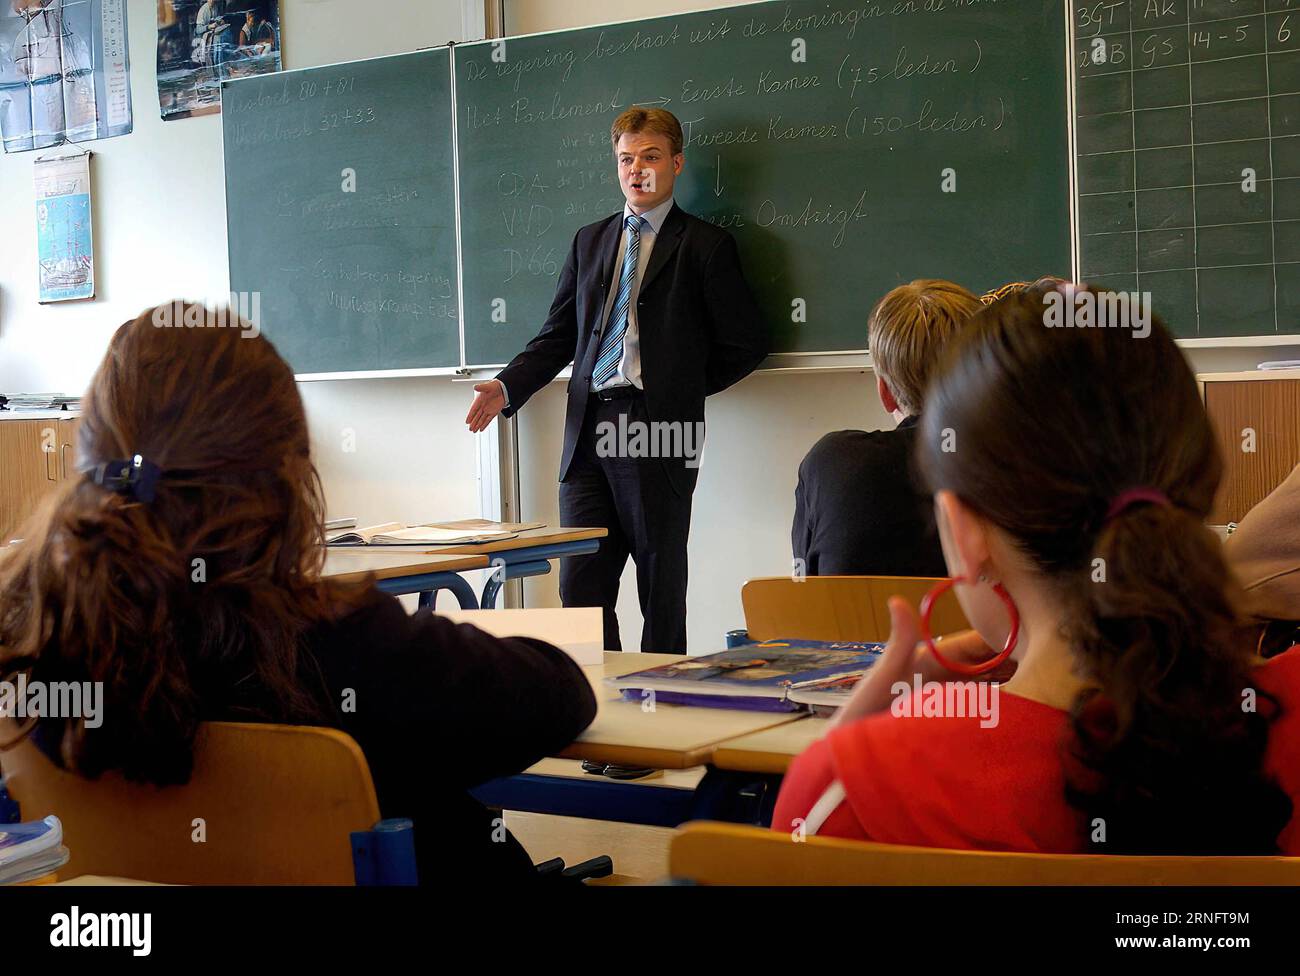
(39, 401)
(771, 676)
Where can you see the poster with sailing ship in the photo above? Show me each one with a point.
(65, 251)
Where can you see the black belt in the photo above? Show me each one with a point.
(616, 393)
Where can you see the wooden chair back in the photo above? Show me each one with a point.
(837, 608)
(729, 854)
(266, 804)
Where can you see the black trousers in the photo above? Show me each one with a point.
(647, 519)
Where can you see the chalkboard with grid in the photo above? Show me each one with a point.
(1188, 143)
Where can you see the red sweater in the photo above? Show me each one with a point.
(947, 782)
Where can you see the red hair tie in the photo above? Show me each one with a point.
(1133, 496)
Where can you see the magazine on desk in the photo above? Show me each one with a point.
(758, 677)
(31, 850)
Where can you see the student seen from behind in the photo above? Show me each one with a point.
(1072, 507)
(182, 569)
(858, 508)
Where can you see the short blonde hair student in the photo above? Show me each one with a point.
(907, 331)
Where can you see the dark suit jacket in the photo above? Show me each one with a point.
(700, 329)
(860, 510)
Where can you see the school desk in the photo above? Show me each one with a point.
(671, 737)
(666, 737)
(560, 787)
(770, 750)
(528, 554)
(407, 572)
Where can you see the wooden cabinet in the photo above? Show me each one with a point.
(1256, 418)
(36, 455)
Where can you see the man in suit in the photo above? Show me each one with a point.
(654, 312)
(860, 508)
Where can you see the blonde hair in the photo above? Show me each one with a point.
(907, 332)
(1015, 287)
(656, 120)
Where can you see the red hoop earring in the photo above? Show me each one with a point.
(927, 607)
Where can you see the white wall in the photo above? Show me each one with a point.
(532, 16)
(758, 431)
(159, 196)
(160, 231)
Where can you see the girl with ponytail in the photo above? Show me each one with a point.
(1073, 469)
(182, 570)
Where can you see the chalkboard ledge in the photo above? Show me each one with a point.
(782, 362)
(377, 374)
(849, 361)
(1239, 341)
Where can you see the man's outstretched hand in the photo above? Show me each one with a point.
(489, 402)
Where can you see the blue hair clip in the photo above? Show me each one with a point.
(136, 478)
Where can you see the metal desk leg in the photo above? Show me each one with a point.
(501, 572)
(459, 588)
(428, 584)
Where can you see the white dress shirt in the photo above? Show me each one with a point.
(629, 367)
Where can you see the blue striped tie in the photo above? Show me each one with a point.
(611, 347)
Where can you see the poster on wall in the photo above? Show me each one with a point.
(202, 43)
(65, 251)
(64, 72)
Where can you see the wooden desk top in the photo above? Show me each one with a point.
(670, 737)
(546, 535)
(353, 564)
(771, 750)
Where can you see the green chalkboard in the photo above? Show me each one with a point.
(819, 133)
(1188, 113)
(340, 205)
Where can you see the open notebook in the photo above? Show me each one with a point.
(433, 534)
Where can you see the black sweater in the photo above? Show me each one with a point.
(437, 708)
(860, 510)
(441, 708)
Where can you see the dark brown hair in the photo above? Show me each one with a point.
(198, 599)
(1050, 425)
(657, 120)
